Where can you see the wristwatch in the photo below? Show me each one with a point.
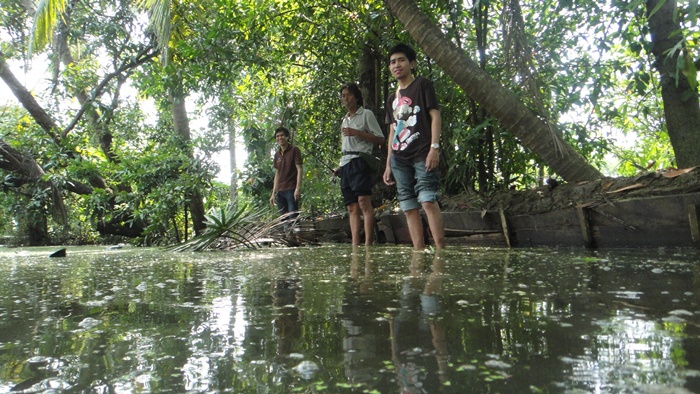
(435, 146)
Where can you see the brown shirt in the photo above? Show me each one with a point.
(286, 165)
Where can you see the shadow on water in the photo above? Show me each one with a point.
(350, 320)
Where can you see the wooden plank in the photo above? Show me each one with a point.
(586, 232)
(397, 229)
(477, 221)
(636, 222)
(693, 219)
(659, 236)
(556, 228)
(487, 240)
(645, 222)
(547, 220)
(458, 232)
(504, 224)
(531, 237)
(331, 224)
(646, 212)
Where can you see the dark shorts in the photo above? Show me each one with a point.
(355, 180)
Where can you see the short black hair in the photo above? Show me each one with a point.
(355, 90)
(402, 48)
(283, 130)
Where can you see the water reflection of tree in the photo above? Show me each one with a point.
(571, 321)
(509, 310)
(86, 357)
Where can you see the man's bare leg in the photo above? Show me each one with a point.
(415, 228)
(354, 213)
(365, 203)
(435, 223)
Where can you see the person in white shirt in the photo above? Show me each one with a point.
(360, 132)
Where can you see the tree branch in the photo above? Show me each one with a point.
(140, 59)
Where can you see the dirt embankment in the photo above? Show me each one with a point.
(562, 195)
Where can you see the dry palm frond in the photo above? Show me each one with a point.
(242, 225)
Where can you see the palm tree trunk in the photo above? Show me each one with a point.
(500, 102)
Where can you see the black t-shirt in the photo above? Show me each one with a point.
(408, 110)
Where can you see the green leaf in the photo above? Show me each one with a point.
(658, 6)
(45, 18)
(693, 12)
(690, 71)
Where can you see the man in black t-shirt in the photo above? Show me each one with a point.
(414, 137)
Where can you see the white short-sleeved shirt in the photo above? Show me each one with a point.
(363, 120)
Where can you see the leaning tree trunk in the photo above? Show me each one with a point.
(25, 98)
(500, 102)
(681, 108)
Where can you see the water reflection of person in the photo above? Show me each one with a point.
(286, 298)
(364, 279)
(360, 341)
(431, 307)
(418, 320)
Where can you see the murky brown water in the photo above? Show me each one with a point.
(330, 319)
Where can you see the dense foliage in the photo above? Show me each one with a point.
(140, 95)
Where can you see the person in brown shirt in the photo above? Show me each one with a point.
(286, 188)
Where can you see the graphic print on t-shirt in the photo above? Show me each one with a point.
(405, 117)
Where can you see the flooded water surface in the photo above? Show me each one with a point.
(341, 320)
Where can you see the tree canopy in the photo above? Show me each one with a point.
(119, 141)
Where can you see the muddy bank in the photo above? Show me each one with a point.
(566, 195)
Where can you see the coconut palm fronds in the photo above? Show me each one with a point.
(243, 225)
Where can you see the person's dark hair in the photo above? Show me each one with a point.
(283, 130)
(355, 90)
(402, 48)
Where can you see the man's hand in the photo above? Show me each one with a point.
(387, 176)
(433, 160)
(348, 132)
